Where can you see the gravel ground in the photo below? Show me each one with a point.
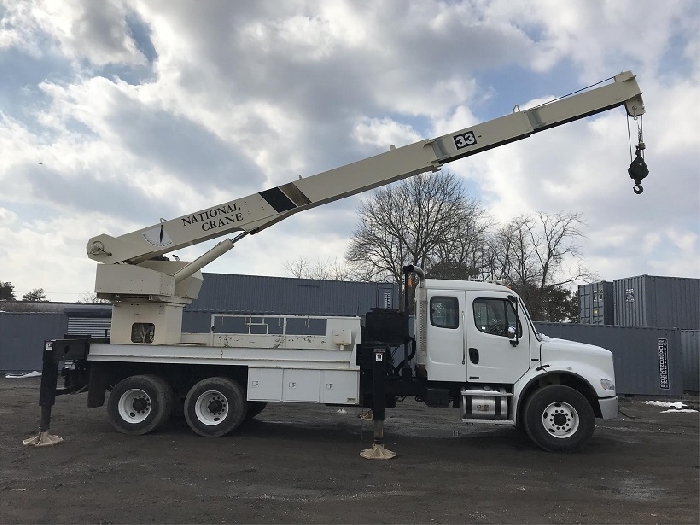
(301, 463)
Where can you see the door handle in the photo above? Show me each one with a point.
(464, 356)
(474, 355)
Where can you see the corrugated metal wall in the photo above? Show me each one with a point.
(283, 295)
(196, 321)
(22, 337)
(690, 341)
(649, 300)
(638, 367)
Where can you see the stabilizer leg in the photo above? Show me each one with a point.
(43, 438)
(378, 451)
(47, 398)
(378, 408)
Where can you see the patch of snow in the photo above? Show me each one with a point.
(666, 404)
(342, 411)
(22, 376)
(672, 406)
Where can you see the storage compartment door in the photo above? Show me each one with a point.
(265, 384)
(301, 385)
(340, 387)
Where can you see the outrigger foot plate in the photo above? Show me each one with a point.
(43, 439)
(377, 452)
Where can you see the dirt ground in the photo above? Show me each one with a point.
(301, 463)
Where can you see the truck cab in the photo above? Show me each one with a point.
(477, 346)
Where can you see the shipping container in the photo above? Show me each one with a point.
(596, 304)
(653, 301)
(285, 295)
(22, 337)
(648, 361)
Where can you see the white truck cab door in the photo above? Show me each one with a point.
(491, 358)
(446, 336)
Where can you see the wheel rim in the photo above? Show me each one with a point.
(134, 406)
(211, 407)
(560, 420)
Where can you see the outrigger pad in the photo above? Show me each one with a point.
(43, 439)
(377, 452)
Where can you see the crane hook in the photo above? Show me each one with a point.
(638, 168)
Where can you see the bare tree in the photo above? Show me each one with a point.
(511, 253)
(555, 241)
(91, 297)
(430, 221)
(297, 267)
(427, 220)
(328, 270)
(530, 254)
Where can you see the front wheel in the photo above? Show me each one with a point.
(559, 419)
(215, 406)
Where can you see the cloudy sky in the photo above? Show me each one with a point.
(115, 113)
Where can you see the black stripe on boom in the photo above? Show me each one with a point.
(278, 200)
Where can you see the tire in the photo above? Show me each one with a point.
(215, 406)
(254, 408)
(559, 419)
(139, 404)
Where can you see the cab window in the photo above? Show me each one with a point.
(494, 316)
(444, 312)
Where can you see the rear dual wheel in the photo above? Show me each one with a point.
(215, 406)
(140, 404)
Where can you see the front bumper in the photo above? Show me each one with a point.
(608, 407)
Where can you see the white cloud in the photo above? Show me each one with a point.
(96, 31)
(603, 35)
(383, 132)
(7, 217)
(99, 134)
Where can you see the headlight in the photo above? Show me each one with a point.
(607, 384)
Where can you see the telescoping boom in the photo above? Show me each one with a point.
(263, 209)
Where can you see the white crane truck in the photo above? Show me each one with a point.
(474, 347)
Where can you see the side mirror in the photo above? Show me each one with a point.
(513, 336)
(512, 330)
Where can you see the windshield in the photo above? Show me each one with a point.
(529, 319)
